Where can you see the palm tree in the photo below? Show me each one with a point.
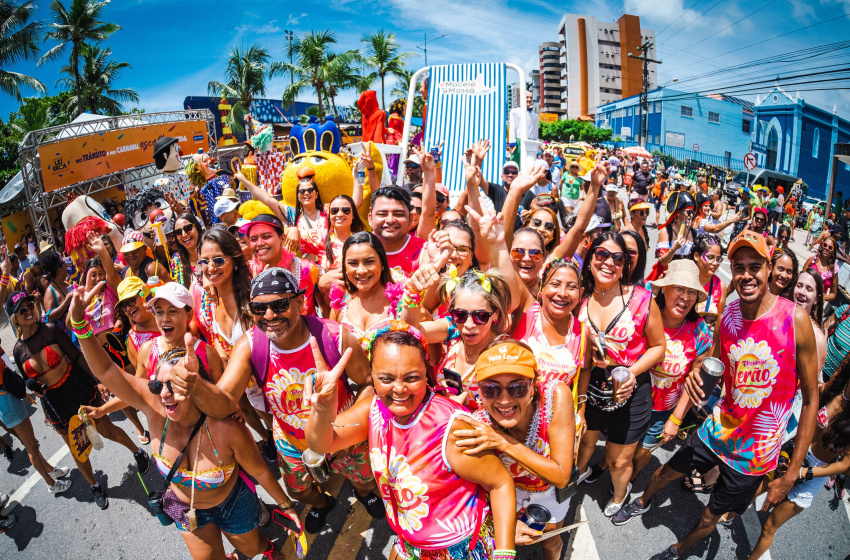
(314, 66)
(75, 27)
(382, 55)
(96, 79)
(341, 76)
(246, 80)
(19, 40)
(31, 116)
(400, 91)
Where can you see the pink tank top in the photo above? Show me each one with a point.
(427, 504)
(137, 338)
(405, 261)
(561, 362)
(745, 429)
(668, 376)
(537, 440)
(826, 274)
(626, 342)
(715, 292)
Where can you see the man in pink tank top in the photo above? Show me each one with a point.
(763, 341)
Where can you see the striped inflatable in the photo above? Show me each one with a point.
(467, 103)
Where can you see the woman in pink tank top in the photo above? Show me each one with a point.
(824, 261)
(537, 430)
(436, 497)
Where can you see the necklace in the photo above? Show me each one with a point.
(208, 315)
(601, 293)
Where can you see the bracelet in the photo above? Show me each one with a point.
(675, 420)
(410, 302)
(581, 399)
(85, 334)
(285, 505)
(504, 554)
(81, 324)
(4, 280)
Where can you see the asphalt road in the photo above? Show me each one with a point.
(70, 526)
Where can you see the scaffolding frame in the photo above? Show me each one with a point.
(40, 202)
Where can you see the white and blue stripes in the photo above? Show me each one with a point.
(467, 103)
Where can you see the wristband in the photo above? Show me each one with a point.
(581, 399)
(285, 505)
(79, 324)
(675, 420)
(504, 554)
(86, 334)
(4, 280)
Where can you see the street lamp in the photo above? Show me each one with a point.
(290, 35)
(424, 45)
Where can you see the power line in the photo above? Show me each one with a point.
(692, 21)
(730, 25)
(678, 18)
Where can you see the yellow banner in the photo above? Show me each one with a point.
(548, 117)
(72, 161)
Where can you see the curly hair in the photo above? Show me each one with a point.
(141, 201)
(399, 106)
(556, 234)
(50, 262)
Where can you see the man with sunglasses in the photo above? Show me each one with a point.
(412, 172)
(281, 352)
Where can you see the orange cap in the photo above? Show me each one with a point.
(505, 358)
(305, 172)
(749, 238)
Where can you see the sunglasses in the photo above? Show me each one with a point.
(155, 386)
(534, 254)
(218, 262)
(511, 172)
(642, 213)
(185, 230)
(440, 199)
(311, 190)
(25, 308)
(344, 209)
(492, 391)
(277, 306)
(548, 226)
(711, 259)
(417, 210)
(601, 254)
(412, 165)
(479, 317)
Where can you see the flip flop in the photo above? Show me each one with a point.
(145, 438)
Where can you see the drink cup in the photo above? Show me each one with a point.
(317, 465)
(620, 375)
(536, 517)
(710, 373)
(155, 504)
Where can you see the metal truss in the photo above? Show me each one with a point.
(39, 202)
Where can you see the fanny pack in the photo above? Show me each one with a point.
(600, 391)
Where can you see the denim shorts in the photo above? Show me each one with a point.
(238, 514)
(656, 425)
(803, 493)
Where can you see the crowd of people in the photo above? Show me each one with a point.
(458, 359)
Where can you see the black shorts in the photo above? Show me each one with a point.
(734, 491)
(628, 424)
(774, 216)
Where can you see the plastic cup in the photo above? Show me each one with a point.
(317, 465)
(620, 375)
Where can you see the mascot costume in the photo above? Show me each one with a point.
(83, 215)
(210, 182)
(268, 164)
(313, 147)
(174, 181)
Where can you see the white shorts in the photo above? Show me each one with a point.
(570, 202)
(804, 493)
(546, 499)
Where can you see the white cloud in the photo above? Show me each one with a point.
(294, 20)
(270, 27)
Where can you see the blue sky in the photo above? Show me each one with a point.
(176, 48)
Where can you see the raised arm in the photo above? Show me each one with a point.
(491, 230)
(95, 243)
(428, 219)
(521, 185)
(567, 247)
(262, 196)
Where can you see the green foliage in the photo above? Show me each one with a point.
(245, 77)
(580, 131)
(383, 56)
(93, 85)
(19, 41)
(399, 91)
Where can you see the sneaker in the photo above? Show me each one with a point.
(373, 504)
(142, 461)
(100, 497)
(4, 499)
(9, 452)
(59, 486)
(668, 554)
(592, 474)
(839, 487)
(59, 472)
(612, 507)
(316, 518)
(264, 515)
(628, 489)
(632, 509)
(270, 450)
(7, 522)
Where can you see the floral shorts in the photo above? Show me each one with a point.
(352, 463)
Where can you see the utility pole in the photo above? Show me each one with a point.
(290, 35)
(644, 92)
(424, 45)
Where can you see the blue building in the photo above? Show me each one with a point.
(797, 138)
(713, 129)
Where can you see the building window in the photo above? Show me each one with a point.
(713, 117)
(745, 126)
(657, 107)
(687, 111)
(815, 143)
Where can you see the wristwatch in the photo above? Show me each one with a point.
(809, 474)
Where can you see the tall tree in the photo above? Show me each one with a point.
(382, 54)
(75, 27)
(96, 82)
(342, 75)
(314, 66)
(400, 91)
(245, 80)
(19, 38)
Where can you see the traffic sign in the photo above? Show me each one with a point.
(750, 161)
(696, 147)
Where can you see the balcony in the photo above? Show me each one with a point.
(565, 106)
(564, 83)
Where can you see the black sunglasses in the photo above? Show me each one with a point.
(603, 255)
(642, 212)
(417, 210)
(277, 306)
(510, 172)
(411, 165)
(311, 190)
(218, 262)
(337, 209)
(479, 317)
(548, 226)
(440, 199)
(185, 230)
(155, 386)
(492, 391)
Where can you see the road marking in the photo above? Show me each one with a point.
(583, 545)
(752, 524)
(846, 501)
(32, 480)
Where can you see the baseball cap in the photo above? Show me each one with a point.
(510, 164)
(234, 229)
(175, 294)
(639, 205)
(612, 187)
(751, 239)
(224, 205)
(595, 222)
(132, 240)
(442, 189)
(413, 158)
(267, 219)
(131, 287)
(508, 357)
(548, 152)
(15, 301)
(229, 192)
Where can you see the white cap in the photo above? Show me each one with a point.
(413, 158)
(595, 222)
(174, 293)
(549, 152)
(541, 164)
(510, 164)
(224, 205)
(612, 187)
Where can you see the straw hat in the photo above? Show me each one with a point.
(684, 273)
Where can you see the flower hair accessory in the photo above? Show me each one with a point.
(485, 282)
(395, 325)
(452, 283)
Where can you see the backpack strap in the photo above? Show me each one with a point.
(260, 346)
(327, 345)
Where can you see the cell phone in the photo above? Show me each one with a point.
(454, 382)
(435, 152)
(285, 521)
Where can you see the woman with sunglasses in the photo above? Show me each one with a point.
(638, 214)
(545, 222)
(708, 255)
(825, 262)
(530, 424)
(188, 231)
(783, 273)
(629, 322)
(675, 237)
(209, 493)
(343, 220)
(637, 256)
(410, 427)
(783, 237)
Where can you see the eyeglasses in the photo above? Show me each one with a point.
(277, 306)
(417, 210)
(680, 292)
(218, 262)
(534, 254)
(185, 230)
(602, 254)
(344, 209)
(462, 250)
(440, 199)
(492, 391)
(155, 386)
(29, 306)
(311, 190)
(412, 165)
(537, 222)
(479, 317)
(711, 259)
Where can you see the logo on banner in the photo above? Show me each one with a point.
(470, 87)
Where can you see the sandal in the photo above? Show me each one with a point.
(145, 438)
(694, 483)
